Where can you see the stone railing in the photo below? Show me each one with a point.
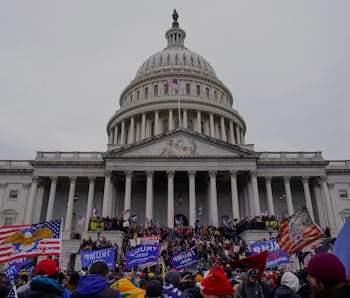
(336, 164)
(15, 164)
(74, 156)
(291, 155)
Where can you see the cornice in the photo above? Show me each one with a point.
(65, 163)
(279, 163)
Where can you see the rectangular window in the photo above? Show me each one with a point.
(13, 194)
(343, 193)
(8, 221)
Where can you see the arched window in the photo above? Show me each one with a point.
(166, 89)
(190, 124)
(207, 92)
(198, 90)
(146, 92)
(176, 58)
(138, 94)
(165, 125)
(131, 98)
(155, 90)
(188, 88)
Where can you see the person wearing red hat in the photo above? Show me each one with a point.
(45, 283)
(216, 284)
(327, 276)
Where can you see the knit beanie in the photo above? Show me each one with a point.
(326, 267)
(291, 281)
(216, 283)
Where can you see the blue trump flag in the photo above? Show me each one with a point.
(183, 259)
(89, 257)
(341, 246)
(141, 255)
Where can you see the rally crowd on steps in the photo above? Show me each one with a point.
(211, 277)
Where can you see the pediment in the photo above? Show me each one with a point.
(181, 144)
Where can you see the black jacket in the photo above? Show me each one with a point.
(285, 292)
(42, 287)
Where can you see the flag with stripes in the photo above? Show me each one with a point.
(297, 231)
(31, 240)
(173, 83)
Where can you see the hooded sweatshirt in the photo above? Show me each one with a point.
(284, 292)
(94, 285)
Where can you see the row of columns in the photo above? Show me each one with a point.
(235, 133)
(213, 207)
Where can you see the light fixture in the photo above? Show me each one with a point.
(283, 196)
(180, 199)
(76, 198)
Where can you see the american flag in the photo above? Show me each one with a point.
(64, 258)
(81, 220)
(297, 231)
(42, 239)
(173, 83)
(12, 293)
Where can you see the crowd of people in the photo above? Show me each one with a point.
(325, 276)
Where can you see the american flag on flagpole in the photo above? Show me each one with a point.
(173, 83)
(297, 231)
(42, 239)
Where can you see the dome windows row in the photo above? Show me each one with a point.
(186, 89)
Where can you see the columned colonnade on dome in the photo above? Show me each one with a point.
(251, 207)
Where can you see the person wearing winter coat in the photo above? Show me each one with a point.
(95, 283)
(289, 286)
(250, 288)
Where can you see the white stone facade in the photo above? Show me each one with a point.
(172, 152)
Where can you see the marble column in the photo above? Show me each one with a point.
(69, 215)
(143, 126)
(115, 138)
(52, 195)
(238, 135)
(171, 120)
(242, 137)
(149, 195)
(106, 194)
(254, 179)
(122, 133)
(232, 134)
(199, 122)
(131, 131)
(31, 201)
(290, 206)
(211, 125)
(328, 203)
(223, 129)
(127, 199)
(234, 195)
(192, 196)
(90, 202)
(156, 122)
(307, 195)
(321, 210)
(2, 194)
(213, 203)
(184, 112)
(110, 136)
(170, 217)
(270, 205)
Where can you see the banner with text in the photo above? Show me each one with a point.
(183, 259)
(142, 254)
(149, 240)
(89, 257)
(276, 256)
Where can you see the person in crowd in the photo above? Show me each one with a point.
(4, 288)
(72, 280)
(289, 286)
(216, 284)
(327, 276)
(95, 284)
(172, 284)
(44, 283)
(250, 288)
(154, 289)
(305, 287)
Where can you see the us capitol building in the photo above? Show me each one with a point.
(174, 149)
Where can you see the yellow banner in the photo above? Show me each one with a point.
(95, 224)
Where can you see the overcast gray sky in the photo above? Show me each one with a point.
(63, 65)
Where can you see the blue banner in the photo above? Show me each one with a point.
(183, 259)
(142, 254)
(15, 267)
(89, 257)
(276, 255)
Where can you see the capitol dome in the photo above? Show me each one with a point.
(150, 105)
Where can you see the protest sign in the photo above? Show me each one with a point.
(89, 257)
